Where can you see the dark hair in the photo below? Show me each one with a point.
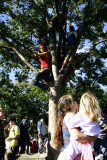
(45, 42)
(72, 28)
(44, 47)
(64, 106)
(12, 119)
(25, 114)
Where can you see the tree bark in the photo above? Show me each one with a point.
(53, 101)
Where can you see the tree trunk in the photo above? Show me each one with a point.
(55, 94)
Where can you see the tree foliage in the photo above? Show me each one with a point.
(20, 28)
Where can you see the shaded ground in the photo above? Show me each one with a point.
(32, 156)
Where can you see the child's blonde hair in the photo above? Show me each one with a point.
(90, 106)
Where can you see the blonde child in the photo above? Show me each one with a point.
(87, 121)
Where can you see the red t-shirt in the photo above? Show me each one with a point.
(45, 62)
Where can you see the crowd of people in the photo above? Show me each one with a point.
(15, 138)
(81, 131)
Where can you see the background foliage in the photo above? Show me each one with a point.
(20, 27)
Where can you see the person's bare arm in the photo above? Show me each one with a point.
(13, 137)
(35, 55)
(65, 62)
(43, 54)
(81, 137)
(105, 128)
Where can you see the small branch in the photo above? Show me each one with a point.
(86, 11)
(5, 47)
(104, 40)
(34, 3)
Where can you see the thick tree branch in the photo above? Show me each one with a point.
(53, 52)
(19, 54)
(14, 40)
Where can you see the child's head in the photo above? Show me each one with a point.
(45, 42)
(90, 106)
(42, 48)
(72, 28)
(65, 103)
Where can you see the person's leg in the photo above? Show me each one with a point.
(23, 144)
(14, 152)
(41, 140)
(42, 75)
(2, 154)
(10, 153)
(39, 144)
(27, 142)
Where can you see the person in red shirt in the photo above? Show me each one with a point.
(44, 74)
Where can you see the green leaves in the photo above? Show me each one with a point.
(20, 28)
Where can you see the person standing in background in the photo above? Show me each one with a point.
(24, 127)
(14, 135)
(41, 134)
(100, 146)
(2, 139)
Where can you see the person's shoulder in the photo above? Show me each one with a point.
(23, 119)
(17, 127)
(39, 121)
(68, 116)
(79, 115)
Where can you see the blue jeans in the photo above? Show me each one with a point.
(40, 143)
(43, 74)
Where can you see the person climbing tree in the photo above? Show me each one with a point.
(42, 30)
(45, 42)
(44, 74)
(71, 41)
(55, 20)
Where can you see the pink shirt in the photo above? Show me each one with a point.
(83, 122)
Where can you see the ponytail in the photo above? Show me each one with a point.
(58, 135)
